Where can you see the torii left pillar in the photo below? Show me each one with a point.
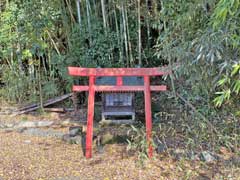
(91, 99)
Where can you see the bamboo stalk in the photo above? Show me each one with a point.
(139, 36)
(89, 22)
(104, 15)
(129, 40)
(40, 87)
(95, 7)
(171, 77)
(53, 42)
(65, 23)
(79, 13)
(89, 6)
(19, 49)
(148, 26)
(122, 41)
(118, 34)
(170, 64)
(125, 34)
(70, 11)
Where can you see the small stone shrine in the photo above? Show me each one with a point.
(118, 107)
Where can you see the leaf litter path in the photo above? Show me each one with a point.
(28, 157)
(24, 157)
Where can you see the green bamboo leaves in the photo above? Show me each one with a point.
(224, 9)
(229, 86)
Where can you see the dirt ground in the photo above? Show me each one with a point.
(27, 157)
(23, 157)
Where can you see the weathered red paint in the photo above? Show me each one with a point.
(148, 113)
(78, 71)
(89, 135)
(119, 81)
(119, 87)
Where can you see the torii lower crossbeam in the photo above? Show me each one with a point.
(92, 73)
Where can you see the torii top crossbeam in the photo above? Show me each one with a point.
(92, 73)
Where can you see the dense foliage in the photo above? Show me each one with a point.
(39, 39)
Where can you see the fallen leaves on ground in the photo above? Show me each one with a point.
(24, 157)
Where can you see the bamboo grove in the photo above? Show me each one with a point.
(40, 38)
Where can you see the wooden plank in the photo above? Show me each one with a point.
(78, 71)
(58, 110)
(49, 102)
(117, 113)
(119, 88)
(120, 121)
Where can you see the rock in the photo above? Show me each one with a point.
(80, 140)
(160, 147)
(191, 155)
(27, 141)
(21, 130)
(207, 156)
(44, 123)
(9, 125)
(43, 132)
(76, 140)
(66, 122)
(72, 140)
(179, 154)
(107, 138)
(68, 178)
(203, 177)
(33, 124)
(235, 161)
(27, 124)
(100, 149)
(74, 131)
(66, 138)
(8, 130)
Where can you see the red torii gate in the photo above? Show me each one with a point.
(92, 73)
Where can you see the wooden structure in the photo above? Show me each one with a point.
(118, 107)
(92, 73)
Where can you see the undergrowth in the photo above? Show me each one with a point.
(188, 132)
